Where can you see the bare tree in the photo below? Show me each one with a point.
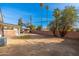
(1, 21)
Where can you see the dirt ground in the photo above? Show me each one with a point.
(40, 47)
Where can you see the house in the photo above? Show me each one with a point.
(8, 30)
(11, 30)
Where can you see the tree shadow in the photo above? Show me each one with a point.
(64, 48)
(68, 47)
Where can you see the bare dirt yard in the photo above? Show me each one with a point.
(40, 46)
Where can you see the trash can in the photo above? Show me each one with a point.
(3, 41)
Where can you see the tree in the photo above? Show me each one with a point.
(68, 18)
(64, 20)
(41, 5)
(54, 24)
(39, 28)
(20, 24)
(1, 20)
(31, 27)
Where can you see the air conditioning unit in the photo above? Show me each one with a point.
(3, 41)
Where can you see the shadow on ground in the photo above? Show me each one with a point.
(65, 48)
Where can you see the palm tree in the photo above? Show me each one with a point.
(54, 25)
(47, 8)
(56, 14)
(41, 5)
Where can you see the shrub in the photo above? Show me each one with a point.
(23, 37)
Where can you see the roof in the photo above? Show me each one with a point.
(7, 24)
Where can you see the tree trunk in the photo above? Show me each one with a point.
(54, 32)
(63, 32)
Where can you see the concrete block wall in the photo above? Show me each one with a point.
(72, 35)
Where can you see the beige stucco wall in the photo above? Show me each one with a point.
(9, 33)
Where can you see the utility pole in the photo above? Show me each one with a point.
(30, 22)
(30, 19)
(1, 21)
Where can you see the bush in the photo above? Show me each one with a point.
(23, 37)
(77, 30)
(39, 28)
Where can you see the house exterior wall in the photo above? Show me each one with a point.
(0, 32)
(9, 33)
(11, 30)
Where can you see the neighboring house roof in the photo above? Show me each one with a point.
(9, 25)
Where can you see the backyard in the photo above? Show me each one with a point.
(39, 29)
(40, 46)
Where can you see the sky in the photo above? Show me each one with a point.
(13, 11)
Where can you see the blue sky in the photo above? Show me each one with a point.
(13, 11)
